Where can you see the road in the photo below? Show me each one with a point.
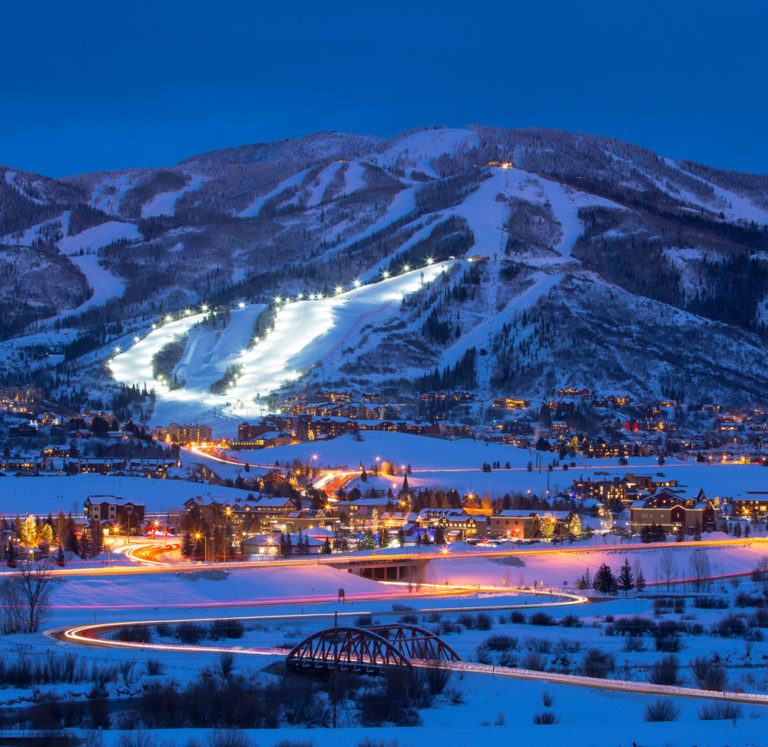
(89, 635)
(153, 565)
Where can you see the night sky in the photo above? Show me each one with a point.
(89, 86)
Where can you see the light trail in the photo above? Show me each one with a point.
(384, 557)
(86, 633)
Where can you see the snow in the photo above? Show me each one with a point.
(53, 493)
(735, 207)
(255, 207)
(419, 147)
(486, 216)
(324, 178)
(402, 204)
(165, 202)
(210, 351)
(105, 285)
(308, 332)
(239, 587)
(354, 177)
(440, 462)
(480, 335)
(94, 238)
(134, 366)
(110, 190)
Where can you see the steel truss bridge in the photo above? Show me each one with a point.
(369, 650)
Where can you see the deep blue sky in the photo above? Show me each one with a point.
(92, 85)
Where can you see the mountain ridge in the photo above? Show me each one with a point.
(557, 219)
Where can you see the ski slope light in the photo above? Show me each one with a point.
(169, 317)
(135, 338)
(406, 268)
(117, 348)
(356, 283)
(385, 274)
(339, 289)
(204, 307)
(278, 299)
(241, 305)
(430, 260)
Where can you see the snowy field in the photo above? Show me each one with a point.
(53, 493)
(458, 464)
(306, 333)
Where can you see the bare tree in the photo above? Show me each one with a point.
(699, 562)
(667, 566)
(24, 596)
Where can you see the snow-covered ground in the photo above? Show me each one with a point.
(105, 285)
(165, 202)
(306, 333)
(51, 494)
(94, 238)
(442, 463)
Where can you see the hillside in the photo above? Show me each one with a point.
(539, 259)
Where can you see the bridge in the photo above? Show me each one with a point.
(369, 650)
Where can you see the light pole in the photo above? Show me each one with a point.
(205, 544)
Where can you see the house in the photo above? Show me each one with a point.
(115, 511)
(263, 507)
(516, 524)
(460, 525)
(755, 503)
(673, 509)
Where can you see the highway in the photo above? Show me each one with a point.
(341, 560)
(91, 635)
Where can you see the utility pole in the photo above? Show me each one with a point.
(335, 664)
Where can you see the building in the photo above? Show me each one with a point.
(262, 508)
(460, 525)
(515, 524)
(189, 434)
(674, 509)
(755, 503)
(122, 513)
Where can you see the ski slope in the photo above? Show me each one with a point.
(305, 334)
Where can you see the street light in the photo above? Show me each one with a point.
(205, 544)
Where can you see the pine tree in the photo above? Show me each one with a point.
(626, 580)
(327, 547)
(60, 558)
(639, 581)
(11, 555)
(46, 534)
(605, 582)
(28, 534)
(95, 538)
(186, 545)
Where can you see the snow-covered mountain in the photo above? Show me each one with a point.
(539, 259)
